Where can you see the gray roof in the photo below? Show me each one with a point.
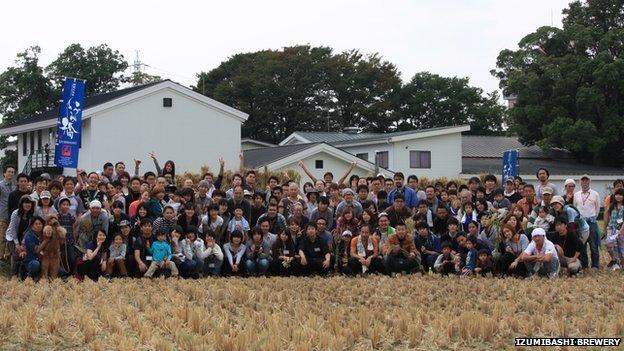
(341, 138)
(260, 157)
(90, 101)
(475, 165)
(483, 154)
(494, 146)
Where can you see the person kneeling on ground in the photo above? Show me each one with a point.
(568, 246)
(258, 254)
(192, 248)
(117, 257)
(400, 252)
(234, 252)
(541, 256)
(365, 252)
(314, 253)
(284, 263)
(428, 244)
(161, 256)
(445, 263)
(485, 263)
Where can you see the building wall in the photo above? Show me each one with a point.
(445, 155)
(189, 133)
(330, 164)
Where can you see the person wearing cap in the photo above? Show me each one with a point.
(90, 222)
(348, 196)
(568, 246)
(342, 253)
(410, 197)
(18, 224)
(543, 175)
(587, 201)
(576, 223)
(509, 190)
(547, 195)
(540, 256)
(67, 221)
(569, 186)
(384, 230)
(45, 208)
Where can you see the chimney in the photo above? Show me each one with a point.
(351, 130)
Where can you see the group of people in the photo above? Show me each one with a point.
(113, 224)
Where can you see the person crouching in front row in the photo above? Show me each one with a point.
(365, 253)
(314, 253)
(400, 252)
(161, 256)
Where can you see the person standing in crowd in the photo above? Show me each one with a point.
(543, 176)
(614, 217)
(7, 185)
(569, 187)
(509, 190)
(587, 201)
(409, 196)
(529, 201)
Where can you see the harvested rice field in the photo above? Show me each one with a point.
(338, 313)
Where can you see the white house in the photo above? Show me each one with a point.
(164, 117)
(435, 152)
(319, 158)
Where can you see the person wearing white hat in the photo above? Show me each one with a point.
(540, 257)
(569, 187)
(587, 201)
(90, 222)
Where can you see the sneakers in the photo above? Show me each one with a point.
(615, 267)
(611, 263)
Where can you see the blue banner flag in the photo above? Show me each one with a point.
(510, 163)
(68, 131)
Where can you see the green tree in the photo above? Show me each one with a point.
(24, 89)
(305, 88)
(100, 66)
(430, 101)
(139, 78)
(568, 83)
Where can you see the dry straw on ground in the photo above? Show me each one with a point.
(412, 312)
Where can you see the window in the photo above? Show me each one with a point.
(167, 102)
(363, 156)
(24, 144)
(318, 164)
(420, 159)
(381, 159)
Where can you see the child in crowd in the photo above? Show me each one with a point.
(500, 201)
(117, 256)
(471, 257)
(161, 256)
(446, 261)
(484, 263)
(544, 219)
(239, 223)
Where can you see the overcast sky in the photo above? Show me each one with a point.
(181, 38)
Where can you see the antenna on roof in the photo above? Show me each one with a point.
(137, 68)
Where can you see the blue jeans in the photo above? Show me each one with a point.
(190, 267)
(212, 266)
(258, 266)
(33, 268)
(594, 245)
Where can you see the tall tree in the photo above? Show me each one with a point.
(430, 101)
(305, 88)
(568, 83)
(24, 89)
(100, 65)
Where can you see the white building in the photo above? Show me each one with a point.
(433, 153)
(164, 117)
